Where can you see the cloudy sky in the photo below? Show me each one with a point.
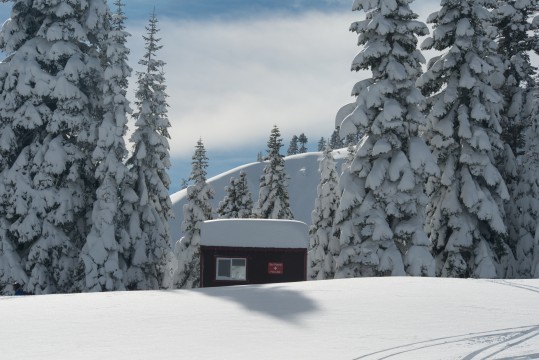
(237, 67)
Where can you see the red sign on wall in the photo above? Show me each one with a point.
(275, 268)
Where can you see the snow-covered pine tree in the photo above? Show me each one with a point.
(14, 34)
(302, 139)
(380, 215)
(293, 147)
(50, 111)
(321, 144)
(324, 245)
(465, 216)
(147, 257)
(101, 255)
(197, 210)
(335, 141)
(515, 42)
(273, 201)
(238, 202)
(523, 210)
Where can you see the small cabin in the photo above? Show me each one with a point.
(252, 251)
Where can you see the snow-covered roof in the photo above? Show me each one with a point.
(267, 233)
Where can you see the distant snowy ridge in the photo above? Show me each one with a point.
(302, 170)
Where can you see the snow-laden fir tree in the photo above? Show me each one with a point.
(380, 216)
(321, 144)
(50, 110)
(324, 245)
(524, 206)
(515, 41)
(195, 212)
(465, 216)
(293, 146)
(238, 202)
(147, 255)
(302, 140)
(14, 35)
(335, 141)
(101, 255)
(273, 200)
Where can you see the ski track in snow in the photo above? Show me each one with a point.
(500, 341)
(512, 284)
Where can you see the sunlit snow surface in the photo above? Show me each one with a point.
(371, 318)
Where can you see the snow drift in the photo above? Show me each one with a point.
(367, 318)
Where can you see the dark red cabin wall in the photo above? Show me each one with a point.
(294, 263)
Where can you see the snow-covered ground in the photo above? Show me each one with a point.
(369, 318)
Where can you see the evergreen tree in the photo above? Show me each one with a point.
(147, 253)
(321, 144)
(380, 215)
(293, 147)
(324, 245)
(524, 205)
(273, 200)
(184, 183)
(195, 212)
(238, 202)
(302, 139)
(15, 33)
(335, 141)
(465, 215)
(49, 113)
(101, 253)
(515, 41)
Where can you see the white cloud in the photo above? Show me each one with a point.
(230, 82)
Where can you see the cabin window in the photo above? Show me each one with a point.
(233, 269)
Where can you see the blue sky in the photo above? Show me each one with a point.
(230, 9)
(235, 68)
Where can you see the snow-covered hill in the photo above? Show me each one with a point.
(369, 318)
(302, 170)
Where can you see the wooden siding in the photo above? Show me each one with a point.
(294, 264)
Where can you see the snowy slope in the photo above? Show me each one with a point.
(302, 170)
(369, 318)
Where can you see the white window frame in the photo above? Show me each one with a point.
(230, 278)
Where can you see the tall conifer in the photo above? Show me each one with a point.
(380, 215)
(273, 199)
(50, 111)
(466, 216)
(324, 245)
(195, 212)
(148, 224)
(102, 252)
